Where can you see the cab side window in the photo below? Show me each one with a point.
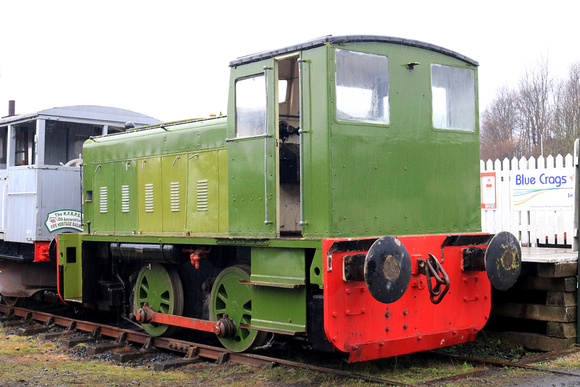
(251, 106)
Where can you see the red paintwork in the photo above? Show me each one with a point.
(41, 252)
(146, 315)
(356, 323)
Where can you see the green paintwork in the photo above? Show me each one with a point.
(359, 180)
(104, 207)
(278, 267)
(317, 206)
(88, 203)
(140, 185)
(405, 178)
(279, 278)
(149, 196)
(125, 208)
(249, 181)
(175, 138)
(279, 310)
(235, 299)
(173, 192)
(70, 261)
(207, 176)
(161, 289)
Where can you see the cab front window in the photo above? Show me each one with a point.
(362, 87)
(453, 97)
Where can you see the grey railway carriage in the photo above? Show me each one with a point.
(40, 196)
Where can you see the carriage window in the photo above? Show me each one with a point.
(362, 87)
(3, 137)
(64, 141)
(251, 106)
(453, 96)
(24, 143)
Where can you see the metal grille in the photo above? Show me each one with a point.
(149, 197)
(124, 198)
(174, 193)
(103, 200)
(202, 195)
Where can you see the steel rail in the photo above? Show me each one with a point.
(497, 363)
(500, 363)
(175, 345)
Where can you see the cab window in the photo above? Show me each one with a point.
(251, 106)
(362, 87)
(453, 97)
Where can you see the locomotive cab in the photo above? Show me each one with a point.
(352, 173)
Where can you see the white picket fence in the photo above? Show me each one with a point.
(543, 226)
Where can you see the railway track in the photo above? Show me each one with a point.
(120, 337)
(498, 365)
(33, 322)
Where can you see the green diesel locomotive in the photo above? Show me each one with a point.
(338, 202)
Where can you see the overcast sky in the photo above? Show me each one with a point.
(170, 59)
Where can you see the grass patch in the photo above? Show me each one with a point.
(32, 362)
(569, 362)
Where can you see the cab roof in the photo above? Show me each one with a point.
(349, 39)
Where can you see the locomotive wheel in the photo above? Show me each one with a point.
(161, 288)
(229, 296)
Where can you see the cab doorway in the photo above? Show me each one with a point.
(289, 157)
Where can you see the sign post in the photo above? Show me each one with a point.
(488, 191)
(551, 189)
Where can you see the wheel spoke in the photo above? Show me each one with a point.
(223, 295)
(248, 307)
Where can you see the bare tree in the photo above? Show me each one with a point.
(533, 102)
(565, 126)
(498, 125)
(541, 116)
